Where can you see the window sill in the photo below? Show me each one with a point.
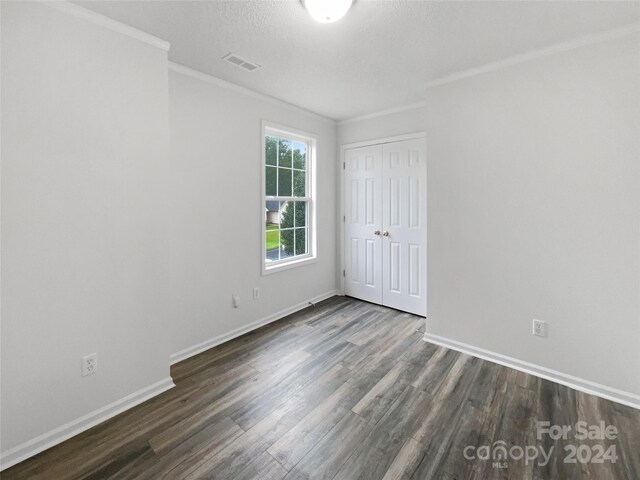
(279, 267)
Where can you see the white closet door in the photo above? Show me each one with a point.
(404, 219)
(363, 221)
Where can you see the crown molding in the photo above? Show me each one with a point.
(535, 54)
(106, 22)
(382, 113)
(96, 18)
(507, 62)
(205, 77)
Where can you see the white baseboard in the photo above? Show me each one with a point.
(603, 391)
(213, 342)
(68, 430)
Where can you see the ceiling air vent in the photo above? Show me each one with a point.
(234, 59)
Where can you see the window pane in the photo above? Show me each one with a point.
(284, 153)
(299, 155)
(287, 239)
(301, 214)
(299, 186)
(272, 214)
(271, 181)
(301, 241)
(284, 182)
(287, 212)
(272, 244)
(271, 150)
(286, 220)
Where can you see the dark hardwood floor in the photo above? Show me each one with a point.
(346, 390)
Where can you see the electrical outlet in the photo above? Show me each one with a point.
(89, 364)
(539, 328)
(256, 293)
(236, 300)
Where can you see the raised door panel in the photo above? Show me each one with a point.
(404, 218)
(363, 217)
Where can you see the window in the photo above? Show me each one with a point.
(288, 202)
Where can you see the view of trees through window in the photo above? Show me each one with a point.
(286, 198)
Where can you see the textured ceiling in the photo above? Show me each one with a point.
(380, 55)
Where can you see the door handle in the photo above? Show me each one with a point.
(385, 234)
(377, 232)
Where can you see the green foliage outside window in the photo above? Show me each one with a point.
(286, 173)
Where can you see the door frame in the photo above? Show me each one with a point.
(342, 213)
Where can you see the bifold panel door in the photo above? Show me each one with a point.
(363, 218)
(385, 225)
(404, 218)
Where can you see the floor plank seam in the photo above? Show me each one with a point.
(278, 461)
(420, 405)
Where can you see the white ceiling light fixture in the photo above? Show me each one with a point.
(327, 11)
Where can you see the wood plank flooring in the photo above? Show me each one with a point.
(344, 390)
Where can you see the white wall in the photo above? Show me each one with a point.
(84, 191)
(534, 209)
(115, 242)
(217, 211)
(410, 120)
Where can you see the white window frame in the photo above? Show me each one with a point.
(287, 133)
